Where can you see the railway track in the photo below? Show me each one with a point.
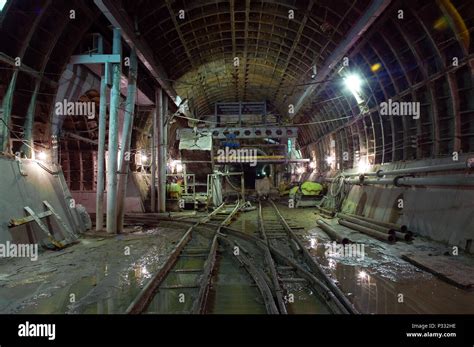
(282, 277)
(298, 283)
(181, 285)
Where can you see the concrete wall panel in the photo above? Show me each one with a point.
(18, 191)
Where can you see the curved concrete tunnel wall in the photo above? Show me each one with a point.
(30, 189)
(76, 81)
(416, 64)
(444, 214)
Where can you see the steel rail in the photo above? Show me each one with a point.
(256, 274)
(313, 265)
(271, 263)
(321, 289)
(146, 295)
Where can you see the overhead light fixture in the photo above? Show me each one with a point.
(363, 275)
(175, 165)
(144, 158)
(42, 156)
(312, 165)
(300, 170)
(353, 83)
(363, 166)
(330, 160)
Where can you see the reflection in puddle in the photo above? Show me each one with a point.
(382, 283)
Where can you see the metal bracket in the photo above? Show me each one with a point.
(247, 132)
(60, 221)
(43, 227)
(95, 59)
(37, 218)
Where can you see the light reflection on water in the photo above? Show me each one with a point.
(386, 284)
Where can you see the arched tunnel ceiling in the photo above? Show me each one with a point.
(275, 51)
(409, 59)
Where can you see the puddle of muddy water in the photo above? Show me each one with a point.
(233, 290)
(305, 301)
(382, 283)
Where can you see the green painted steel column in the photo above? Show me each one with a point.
(161, 156)
(113, 139)
(126, 140)
(27, 147)
(7, 104)
(154, 148)
(165, 144)
(99, 202)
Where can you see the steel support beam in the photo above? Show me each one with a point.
(126, 140)
(161, 154)
(7, 104)
(165, 139)
(250, 133)
(154, 147)
(28, 70)
(375, 9)
(29, 121)
(113, 139)
(99, 206)
(95, 59)
(113, 12)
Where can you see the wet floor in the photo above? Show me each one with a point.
(233, 290)
(99, 276)
(180, 288)
(382, 282)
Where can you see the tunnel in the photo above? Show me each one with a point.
(238, 158)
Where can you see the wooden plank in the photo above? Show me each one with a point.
(447, 268)
(20, 221)
(59, 219)
(43, 227)
(38, 221)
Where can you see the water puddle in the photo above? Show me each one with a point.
(233, 290)
(382, 283)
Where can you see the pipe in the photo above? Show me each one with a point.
(369, 225)
(381, 181)
(325, 211)
(371, 232)
(404, 236)
(113, 140)
(452, 180)
(99, 201)
(332, 232)
(124, 164)
(423, 169)
(407, 171)
(396, 227)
